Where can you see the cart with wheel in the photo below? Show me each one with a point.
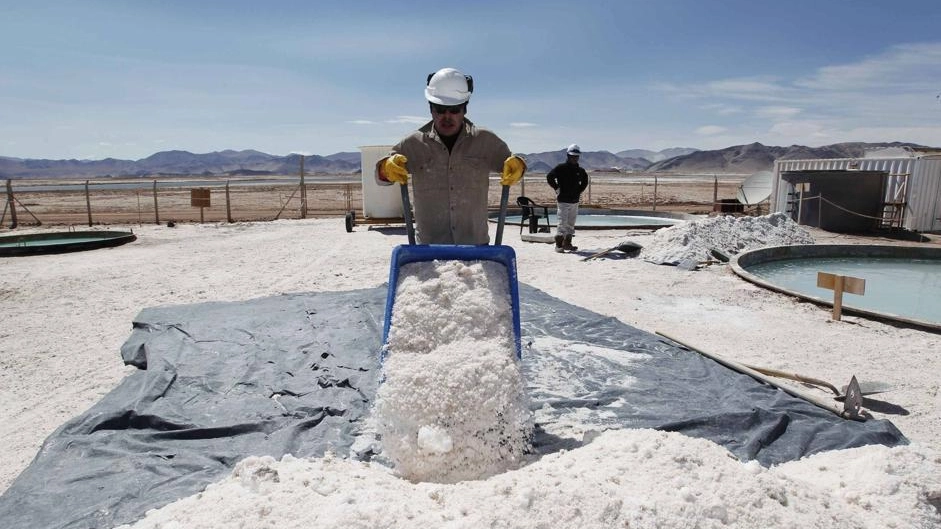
(382, 205)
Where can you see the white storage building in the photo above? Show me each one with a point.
(888, 189)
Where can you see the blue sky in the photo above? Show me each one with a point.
(125, 79)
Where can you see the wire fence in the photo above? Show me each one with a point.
(102, 203)
(159, 201)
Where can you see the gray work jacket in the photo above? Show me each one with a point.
(450, 189)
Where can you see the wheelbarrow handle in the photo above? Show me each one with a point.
(407, 210)
(504, 198)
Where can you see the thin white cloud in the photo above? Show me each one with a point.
(523, 124)
(364, 44)
(361, 122)
(710, 130)
(414, 120)
(796, 128)
(777, 112)
(889, 96)
(743, 88)
(723, 109)
(905, 66)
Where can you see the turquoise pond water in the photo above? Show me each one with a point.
(605, 220)
(910, 288)
(50, 241)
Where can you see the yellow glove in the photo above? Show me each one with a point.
(393, 169)
(513, 169)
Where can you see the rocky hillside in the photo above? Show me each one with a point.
(742, 159)
(755, 157)
(172, 163)
(542, 162)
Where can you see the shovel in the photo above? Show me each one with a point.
(866, 388)
(410, 253)
(852, 399)
(852, 395)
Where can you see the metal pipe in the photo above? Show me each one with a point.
(504, 198)
(407, 210)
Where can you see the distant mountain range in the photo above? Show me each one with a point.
(740, 159)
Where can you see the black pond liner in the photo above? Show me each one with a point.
(62, 242)
(296, 374)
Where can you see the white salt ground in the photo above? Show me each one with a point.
(452, 405)
(65, 317)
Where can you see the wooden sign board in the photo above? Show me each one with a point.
(840, 284)
(199, 197)
(853, 285)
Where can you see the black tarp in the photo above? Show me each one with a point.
(295, 374)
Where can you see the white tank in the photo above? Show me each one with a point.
(379, 202)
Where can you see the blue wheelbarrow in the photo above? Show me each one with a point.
(411, 253)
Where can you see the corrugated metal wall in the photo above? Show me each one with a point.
(921, 193)
(925, 195)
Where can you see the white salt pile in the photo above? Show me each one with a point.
(692, 241)
(452, 405)
(626, 478)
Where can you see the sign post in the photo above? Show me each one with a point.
(840, 284)
(199, 198)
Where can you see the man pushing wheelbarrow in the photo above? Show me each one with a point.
(451, 403)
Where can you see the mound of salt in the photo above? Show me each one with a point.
(692, 241)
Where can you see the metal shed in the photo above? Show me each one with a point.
(861, 194)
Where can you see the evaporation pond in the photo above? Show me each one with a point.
(612, 220)
(910, 288)
(48, 241)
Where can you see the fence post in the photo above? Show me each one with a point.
(228, 204)
(715, 191)
(156, 210)
(88, 203)
(655, 192)
(303, 191)
(11, 204)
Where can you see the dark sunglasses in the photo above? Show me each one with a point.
(443, 109)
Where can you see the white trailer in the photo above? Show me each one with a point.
(860, 194)
(381, 204)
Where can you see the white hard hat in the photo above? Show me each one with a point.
(573, 150)
(449, 87)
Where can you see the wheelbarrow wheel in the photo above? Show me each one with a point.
(350, 221)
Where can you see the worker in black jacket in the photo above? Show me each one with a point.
(568, 180)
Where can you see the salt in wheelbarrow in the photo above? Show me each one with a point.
(412, 252)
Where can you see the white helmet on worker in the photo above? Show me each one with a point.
(449, 87)
(573, 150)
